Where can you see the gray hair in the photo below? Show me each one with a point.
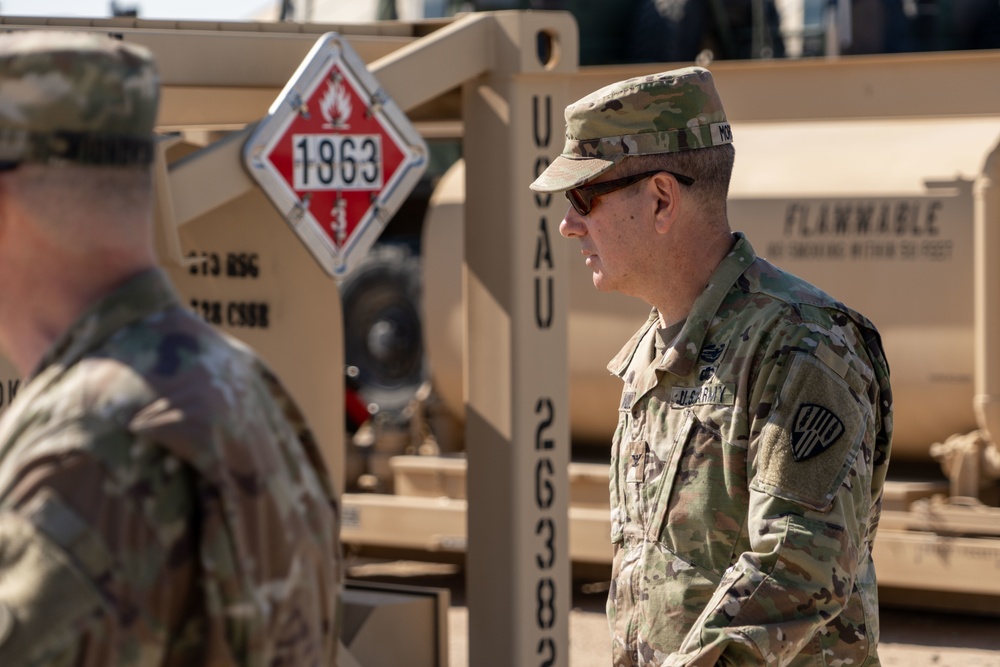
(711, 168)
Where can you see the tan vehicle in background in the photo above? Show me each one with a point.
(875, 178)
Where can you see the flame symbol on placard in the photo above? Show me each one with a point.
(336, 105)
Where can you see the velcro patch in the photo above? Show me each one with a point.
(816, 428)
(812, 435)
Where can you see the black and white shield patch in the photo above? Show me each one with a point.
(815, 430)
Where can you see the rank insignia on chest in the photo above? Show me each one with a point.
(636, 471)
(712, 352)
(814, 430)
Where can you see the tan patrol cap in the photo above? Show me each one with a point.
(660, 113)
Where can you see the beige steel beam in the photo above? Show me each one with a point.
(219, 164)
(910, 559)
(924, 544)
(223, 75)
(917, 560)
(213, 108)
(517, 294)
(432, 525)
(436, 526)
(420, 71)
(884, 86)
(445, 477)
(234, 53)
(253, 60)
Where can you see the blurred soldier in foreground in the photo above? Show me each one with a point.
(755, 423)
(161, 501)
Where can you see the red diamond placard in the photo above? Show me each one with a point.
(336, 155)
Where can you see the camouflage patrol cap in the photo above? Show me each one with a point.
(76, 97)
(659, 113)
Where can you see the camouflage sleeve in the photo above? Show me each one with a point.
(293, 415)
(810, 483)
(310, 448)
(79, 532)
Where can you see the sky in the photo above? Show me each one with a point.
(234, 10)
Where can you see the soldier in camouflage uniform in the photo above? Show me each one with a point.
(755, 423)
(161, 500)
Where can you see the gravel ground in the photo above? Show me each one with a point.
(909, 638)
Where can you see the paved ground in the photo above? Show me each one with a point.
(909, 638)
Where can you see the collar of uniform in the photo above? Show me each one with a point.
(137, 298)
(683, 354)
(621, 362)
(681, 357)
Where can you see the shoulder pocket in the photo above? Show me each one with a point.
(812, 436)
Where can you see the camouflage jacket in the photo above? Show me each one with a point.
(161, 502)
(746, 479)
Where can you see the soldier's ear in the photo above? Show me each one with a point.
(668, 202)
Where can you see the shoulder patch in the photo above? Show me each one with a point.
(815, 429)
(812, 435)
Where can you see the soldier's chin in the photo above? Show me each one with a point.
(601, 283)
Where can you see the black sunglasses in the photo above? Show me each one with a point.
(582, 198)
